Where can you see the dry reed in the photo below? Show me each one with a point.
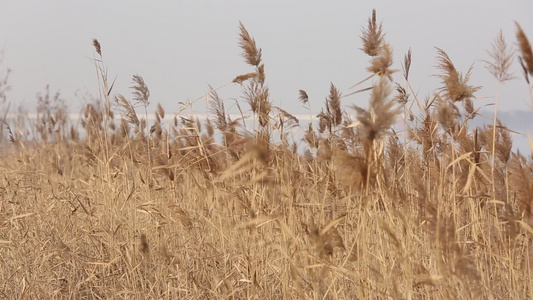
(123, 208)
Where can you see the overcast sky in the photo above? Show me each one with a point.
(181, 47)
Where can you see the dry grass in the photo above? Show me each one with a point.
(180, 209)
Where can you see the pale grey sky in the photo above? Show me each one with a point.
(179, 47)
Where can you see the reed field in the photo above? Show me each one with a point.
(122, 207)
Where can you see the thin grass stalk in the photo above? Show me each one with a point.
(141, 95)
(104, 91)
(500, 69)
(493, 160)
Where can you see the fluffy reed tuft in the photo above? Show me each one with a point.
(256, 93)
(251, 53)
(97, 47)
(304, 98)
(456, 86)
(382, 112)
(333, 105)
(216, 106)
(141, 93)
(502, 59)
(381, 63)
(525, 48)
(372, 36)
(128, 110)
(407, 65)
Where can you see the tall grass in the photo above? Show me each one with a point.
(184, 209)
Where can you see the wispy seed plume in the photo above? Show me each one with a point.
(251, 54)
(382, 112)
(304, 98)
(334, 105)
(525, 48)
(456, 86)
(97, 47)
(372, 36)
(141, 93)
(501, 59)
(407, 64)
(380, 64)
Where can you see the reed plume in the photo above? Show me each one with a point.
(216, 107)
(333, 105)
(304, 98)
(381, 114)
(407, 65)
(141, 93)
(256, 93)
(128, 110)
(97, 47)
(456, 86)
(251, 53)
(381, 63)
(372, 36)
(525, 49)
(502, 59)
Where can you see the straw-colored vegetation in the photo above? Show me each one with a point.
(120, 208)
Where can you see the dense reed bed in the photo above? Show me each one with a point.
(120, 208)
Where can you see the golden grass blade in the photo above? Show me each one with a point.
(497, 202)
(244, 164)
(471, 172)
(458, 159)
(331, 224)
(258, 222)
(105, 264)
(482, 173)
(358, 91)
(354, 124)
(22, 216)
(526, 226)
(362, 81)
